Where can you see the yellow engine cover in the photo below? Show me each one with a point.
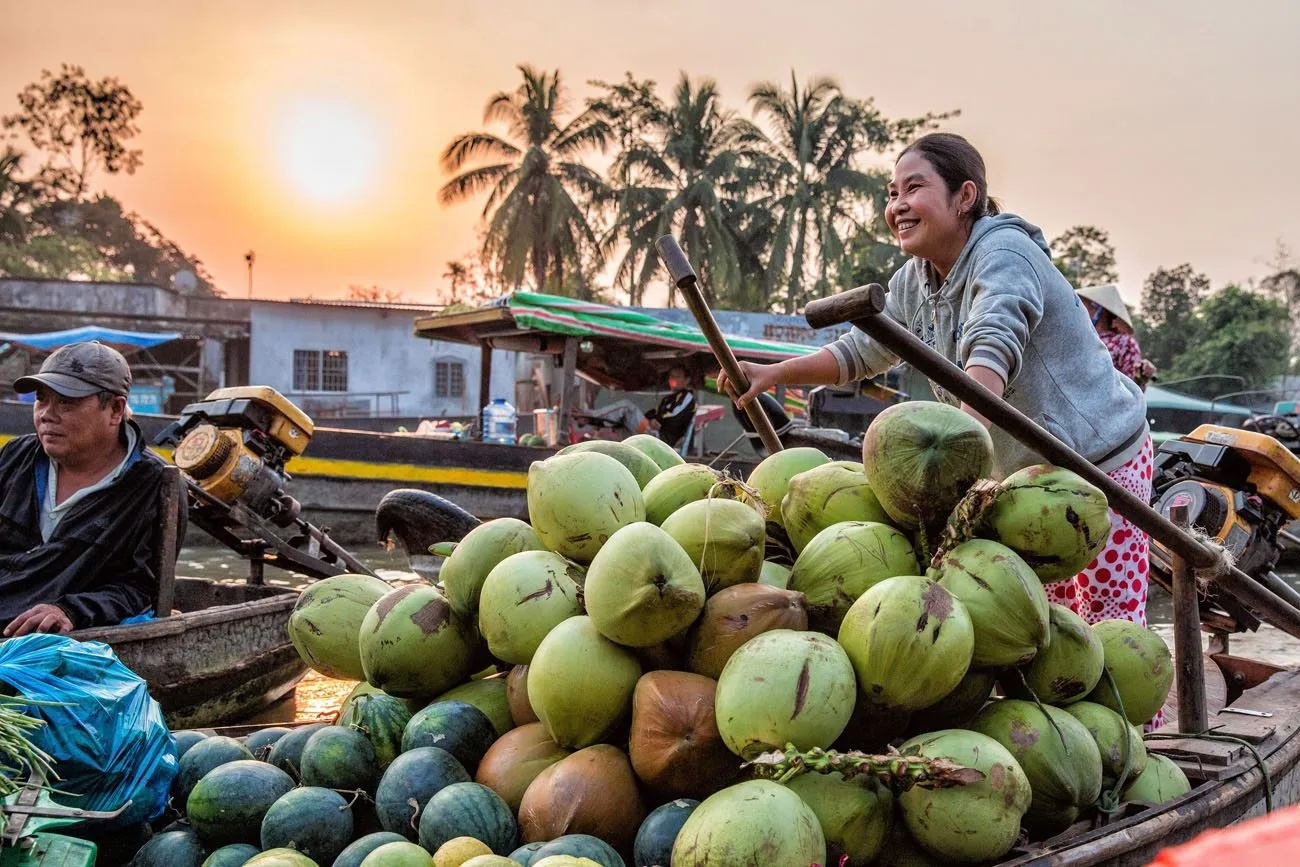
(292, 427)
(1274, 470)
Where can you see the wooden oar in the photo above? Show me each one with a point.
(670, 253)
(864, 309)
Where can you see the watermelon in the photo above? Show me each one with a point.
(259, 743)
(228, 804)
(280, 858)
(233, 855)
(489, 696)
(455, 726)
(201, 758)
(171, 849)
(525, 854)
(416, 775)
(184, 740)
(582, 846)
(654, 840)
(468, 810)
(317, 822)
(286, 754)
(403, 854)
(339, 758)
(382, 719)
(359, 849)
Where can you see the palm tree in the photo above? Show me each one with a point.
(817, 192)
(457, 274)
(679, 171)
(539, 193)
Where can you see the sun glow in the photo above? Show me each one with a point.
(330, 150)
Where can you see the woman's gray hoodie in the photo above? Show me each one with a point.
(1005, 306)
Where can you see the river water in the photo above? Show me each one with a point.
(318, 697)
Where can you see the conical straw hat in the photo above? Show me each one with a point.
(1107, 298)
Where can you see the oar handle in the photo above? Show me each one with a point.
(674, 258)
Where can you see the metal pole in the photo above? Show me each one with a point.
(1189, 672)
(864, 308)
(684, 276)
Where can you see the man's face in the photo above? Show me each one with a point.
(677, 379)
(71, 426)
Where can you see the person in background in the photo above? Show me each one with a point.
(78, 500)
(1110, 317)
(672, 418)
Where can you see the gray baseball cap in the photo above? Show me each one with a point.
(80, 370)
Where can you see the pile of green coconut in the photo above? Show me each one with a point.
(657, 626)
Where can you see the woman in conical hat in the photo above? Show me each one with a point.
(1114, 326)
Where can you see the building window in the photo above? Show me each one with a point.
(320, 370)
(448, 379)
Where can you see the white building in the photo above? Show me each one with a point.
(358, 358)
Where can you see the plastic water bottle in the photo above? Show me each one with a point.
(499, 421)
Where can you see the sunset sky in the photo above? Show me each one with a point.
(1173, 124)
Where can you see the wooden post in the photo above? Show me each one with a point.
(165, 546)
(484, 383)
(1190, 665)
(568, 376)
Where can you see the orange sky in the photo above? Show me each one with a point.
(1174, 124)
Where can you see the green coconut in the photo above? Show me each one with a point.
(1052, 518)
(677, 486)
(784, 687)
(774, 575)
(845, 560)
(1069, 667)
(971, 823)
(656, 450)
(827, 495)
(771, 478)
(959, 706)
(856, 815)
(1005, 600)
(412, 643)
(577, 501)
(524, 597)
(756, 822)
(580, 683)
(1161, 781)
(910, 642)
(463, 573)
(922, 457)
(325, 623)
(724, 538)
(489, 694)
(1139, 661)
(1057, 753)
(1113, 735)
(642, 588)
(734, 616)
(642, 467)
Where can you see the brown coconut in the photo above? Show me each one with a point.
(592, 792)
(734, 615)
(521, 711)
(516, 759)
(675, 746)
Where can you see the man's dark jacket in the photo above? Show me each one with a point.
(98, 564)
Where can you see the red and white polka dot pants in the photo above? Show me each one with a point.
(1114, 586)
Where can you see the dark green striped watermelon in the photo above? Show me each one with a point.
(201, 758)
(468, 810)
(416, 775)
(455, 726)
(171, 849)
(286, 754)
(339, 758)
(582, 846)
(382, 719)
(259, 743)
(489, 696)
(359, 849)
(315, 821)
(655, 838)
(233, 855)
(183, 740)
(525, 854)
(228, 804)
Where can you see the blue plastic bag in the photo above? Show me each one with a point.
(110, 742)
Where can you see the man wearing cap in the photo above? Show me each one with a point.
(78, 500)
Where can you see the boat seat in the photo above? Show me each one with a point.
(704, 416)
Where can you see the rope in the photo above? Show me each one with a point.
(1223, 558)
(1108, 802)
(1228, 739)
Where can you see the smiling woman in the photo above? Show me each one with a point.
(329, 150)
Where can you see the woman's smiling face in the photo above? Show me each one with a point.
(926, 219)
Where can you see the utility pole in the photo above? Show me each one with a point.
(250, 257)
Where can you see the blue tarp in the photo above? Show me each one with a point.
(123, 341)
